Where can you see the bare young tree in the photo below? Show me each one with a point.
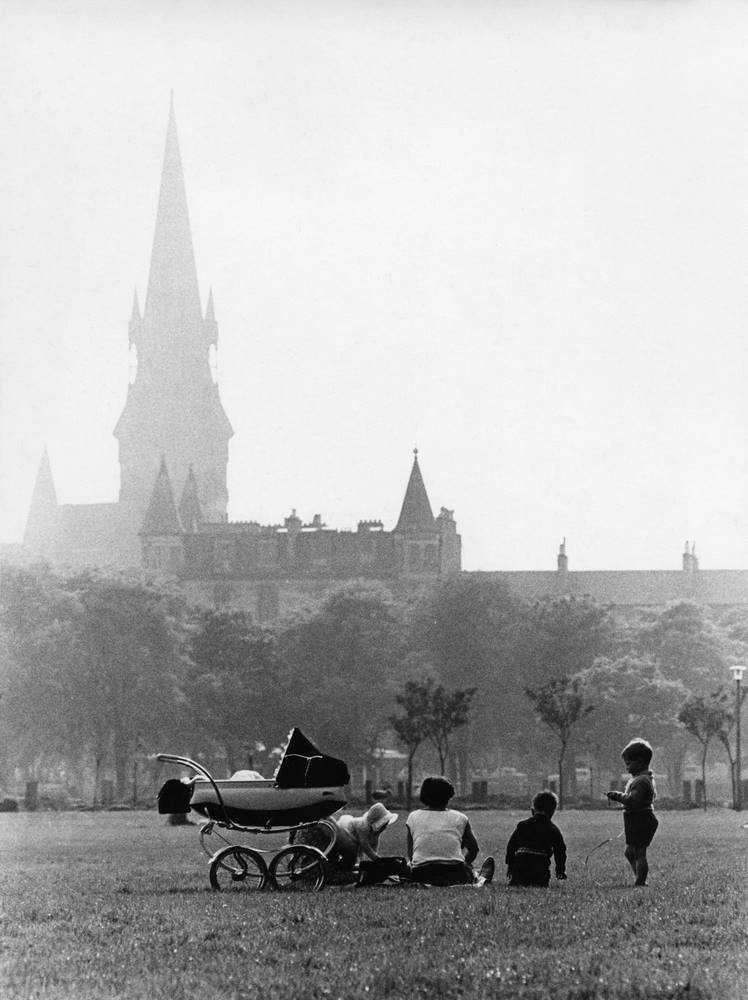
(449, 711)
(706, 718)
(559, 704)
(724, 734)
(411, 728)
(431, 713)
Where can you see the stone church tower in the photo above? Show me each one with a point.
(173, 410)
(172, 417)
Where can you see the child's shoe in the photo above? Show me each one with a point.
(487, 869)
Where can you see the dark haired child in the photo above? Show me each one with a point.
(533, 843)
(441, 844)
(639, 820)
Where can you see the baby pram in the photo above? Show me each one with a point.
(307, 788)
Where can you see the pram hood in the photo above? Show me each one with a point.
(304, 766)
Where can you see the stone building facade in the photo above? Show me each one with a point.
(271, 570)
(173, 434)
(171, 514)
(644, 588)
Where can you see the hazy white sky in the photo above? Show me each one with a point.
(512, 233)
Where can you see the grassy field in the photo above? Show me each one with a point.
(94, 906)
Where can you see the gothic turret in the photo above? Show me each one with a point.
(173, 406)
(161, 531)
(190, 513)
(161, 517)
(40, 534)
(415, 513)
(425, 546)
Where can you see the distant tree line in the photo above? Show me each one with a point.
(99, 672)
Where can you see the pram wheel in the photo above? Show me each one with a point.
(298, 868)
(237, 868)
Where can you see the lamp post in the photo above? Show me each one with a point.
(737, 671)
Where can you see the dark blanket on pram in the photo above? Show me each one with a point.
(303, 766)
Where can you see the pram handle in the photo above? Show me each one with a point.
(187, 762)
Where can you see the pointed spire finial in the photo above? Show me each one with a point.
(172, 302)
(39, 532)
(161, 516)
(190, 513)
(415, 512)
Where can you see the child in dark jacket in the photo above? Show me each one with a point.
(533, 843)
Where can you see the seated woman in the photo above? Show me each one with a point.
(441, 844)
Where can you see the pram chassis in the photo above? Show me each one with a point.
(237, 866)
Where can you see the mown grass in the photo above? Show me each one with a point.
(118, 905)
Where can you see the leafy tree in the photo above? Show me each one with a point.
(557, 638)
(124, 689)
(689, 645)
(339, 669)
(631, 696)
(233, 686)
(464, 628)
(562, 635)
(92, 668)
(694, 645)
(733, 624)
(559, 704)
(39, 620)
(703, 717)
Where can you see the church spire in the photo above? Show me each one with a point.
(172, 303)
(173, 406)
(416, 512)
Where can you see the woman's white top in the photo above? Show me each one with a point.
(437, 835)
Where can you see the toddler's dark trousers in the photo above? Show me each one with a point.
(529, 870)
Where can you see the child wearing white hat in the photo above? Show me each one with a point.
(358, 836)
